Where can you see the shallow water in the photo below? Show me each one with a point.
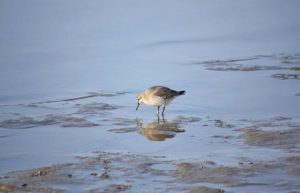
(70, 73)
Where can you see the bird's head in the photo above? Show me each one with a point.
(139, 100)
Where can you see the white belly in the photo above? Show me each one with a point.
(158, 101)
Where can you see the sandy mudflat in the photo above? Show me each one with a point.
(130, 172)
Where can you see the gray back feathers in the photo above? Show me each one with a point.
(165, 92)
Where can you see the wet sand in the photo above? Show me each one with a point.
(118, 172)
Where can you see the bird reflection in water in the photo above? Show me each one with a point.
(159, 130)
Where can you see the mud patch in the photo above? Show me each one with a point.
(93, 108)
(24, 122)
(244, 175)
(63, 120)
(77, 122)
(240, 64)
(278, 121)
(222, 124)
(286, 76)
(201, 172)
(255, 63)
(108, 93)
(223, 136)
(282, 139)
(296, 68)
(204, 189)
(292, 165)
(289, 58)
(7, 188)
(240, 67)
(117, 187)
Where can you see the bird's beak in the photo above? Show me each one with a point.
(137, 107)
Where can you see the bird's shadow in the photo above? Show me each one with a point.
(159, 130)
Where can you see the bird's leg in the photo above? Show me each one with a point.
(163, 111)
(158, 110)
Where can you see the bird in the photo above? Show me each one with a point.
(159, 96)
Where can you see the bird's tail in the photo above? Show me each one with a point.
(181, 92)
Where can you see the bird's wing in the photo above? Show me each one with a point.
(164, 92)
